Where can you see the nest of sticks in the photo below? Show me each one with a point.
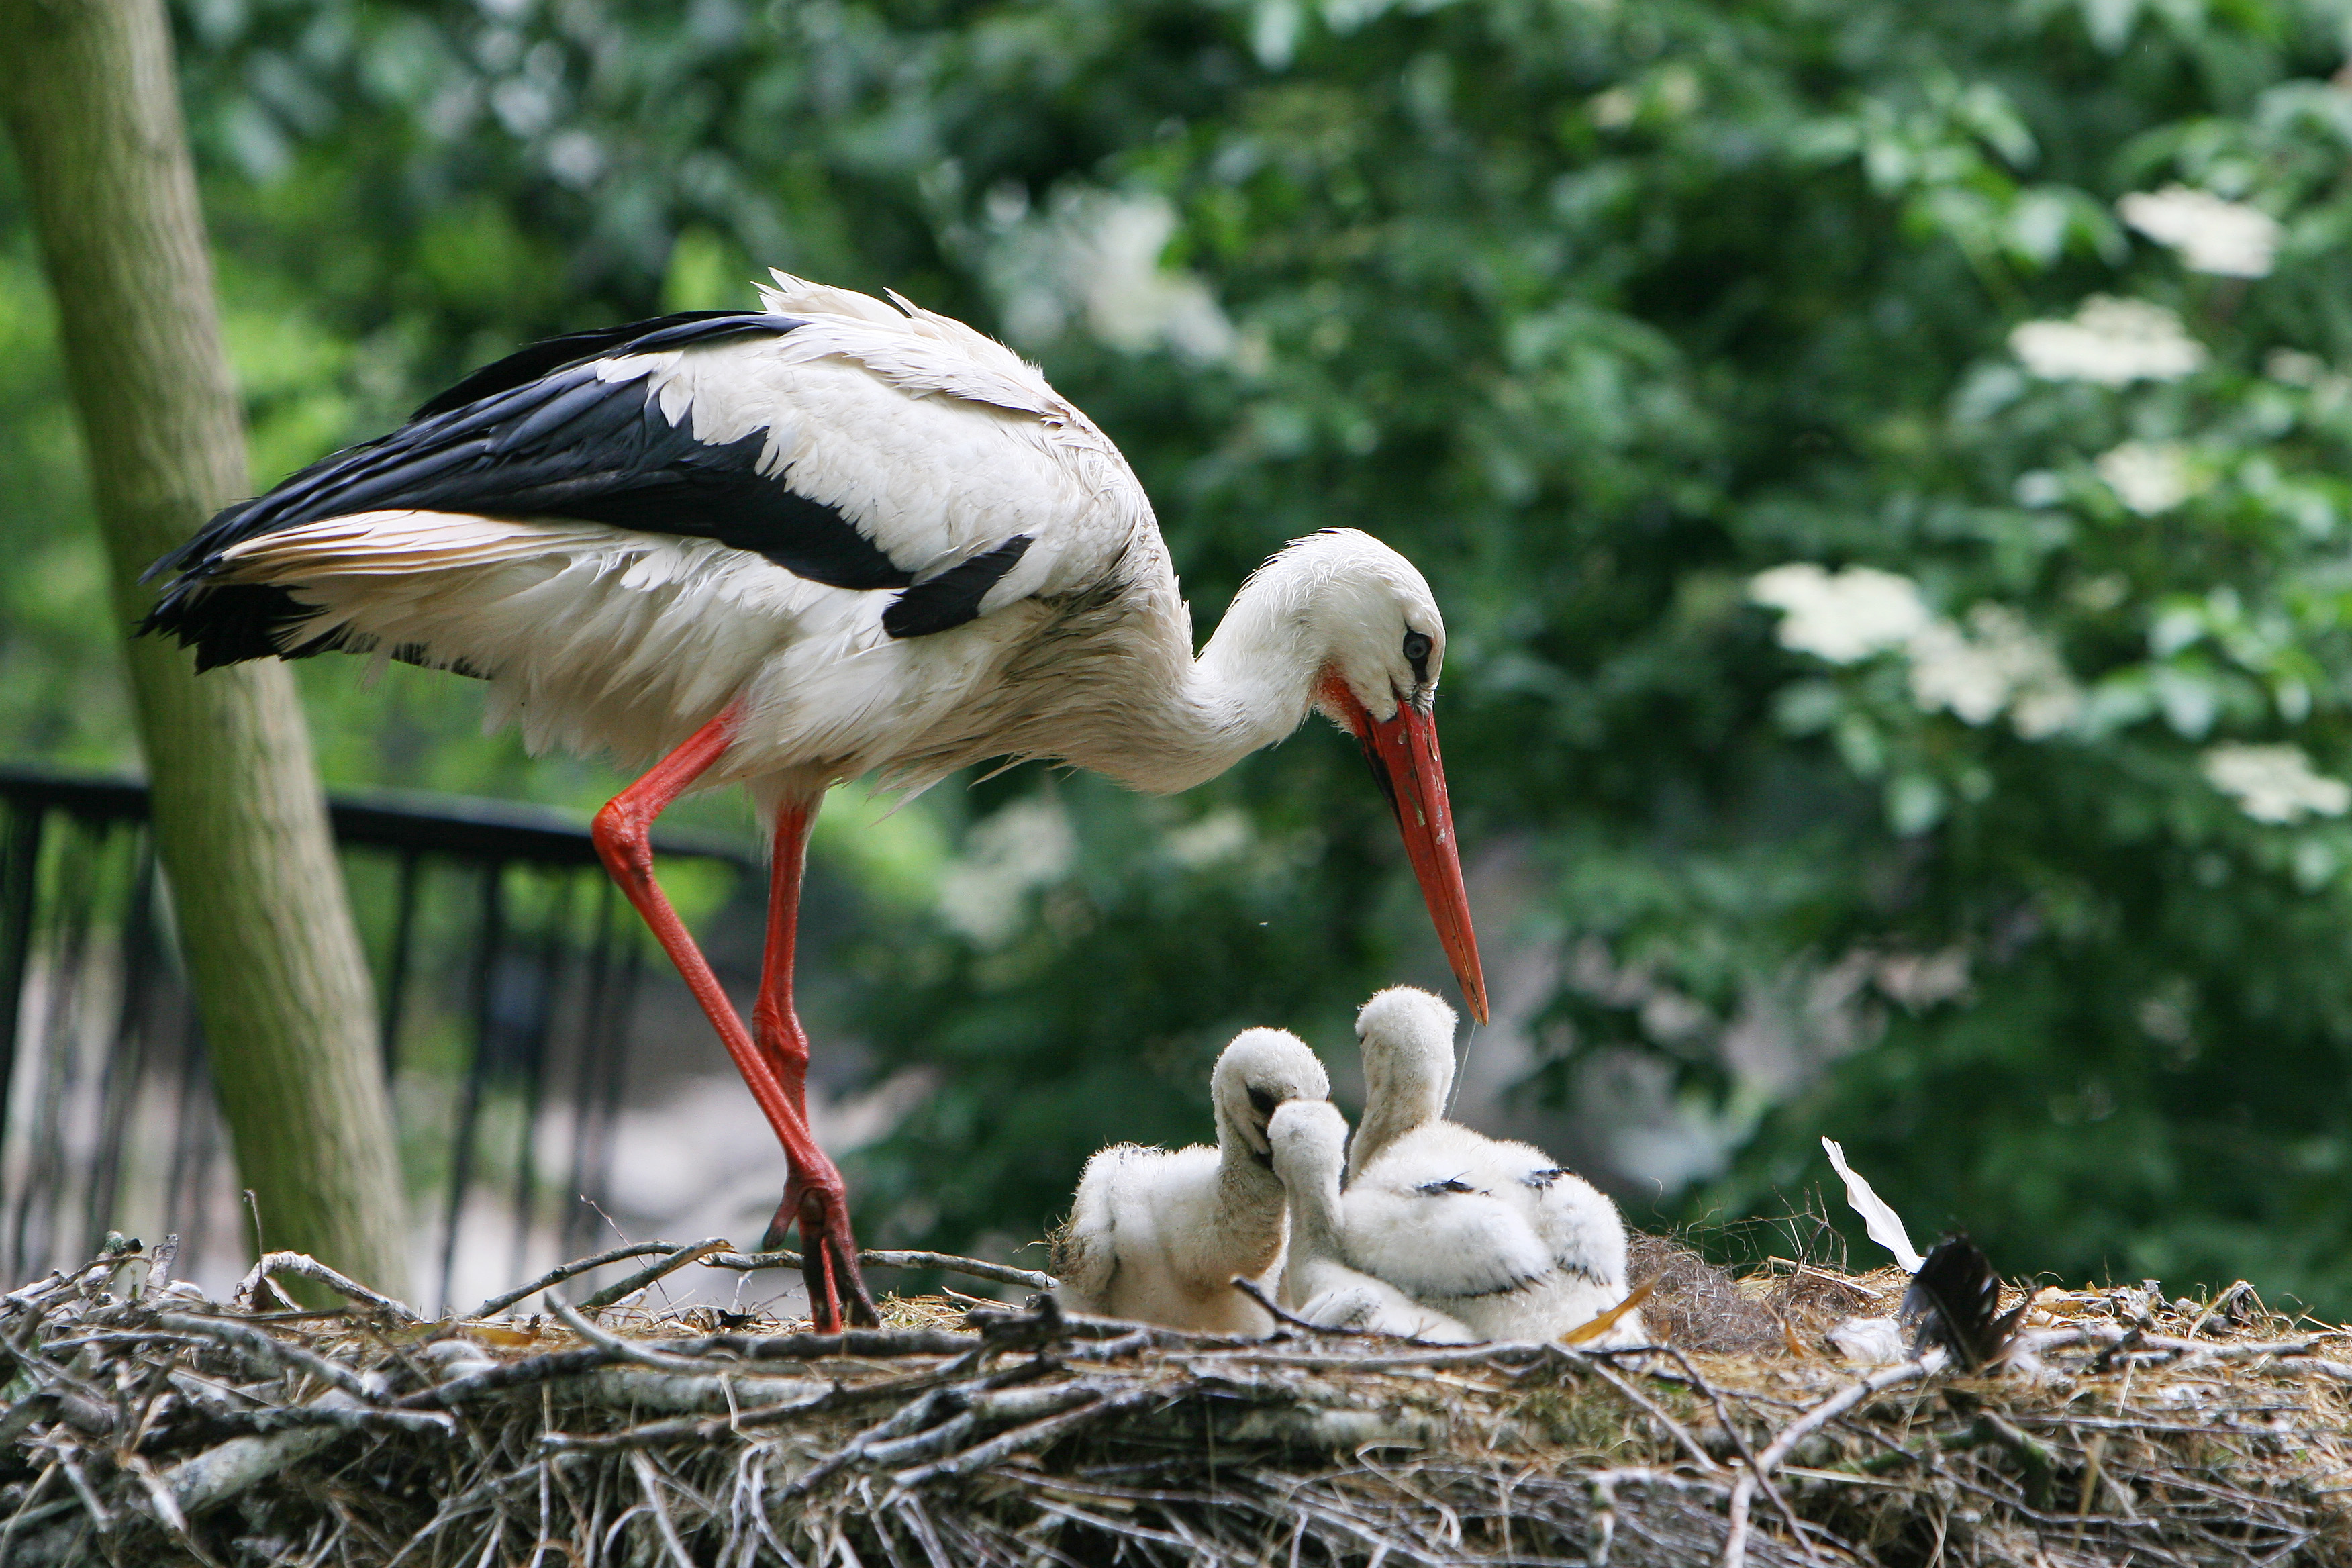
(143, 1423)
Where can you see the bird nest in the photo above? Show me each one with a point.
(144, 1424)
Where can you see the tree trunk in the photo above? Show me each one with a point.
(240, 826)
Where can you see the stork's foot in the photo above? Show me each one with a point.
(828, 1256)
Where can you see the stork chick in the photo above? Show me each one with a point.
(1158, 1236)
(1492, 1232)
(1319, 1283)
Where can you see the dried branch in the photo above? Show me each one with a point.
(620, 1349)
(563, 1271)
(276, 1352)
(945, 1262)
(1022, 1439)
(1096, 1440)
(669, 1263)
(1735, 1542)
(1738, 1441)
(303, 1266)
(1275, 1310)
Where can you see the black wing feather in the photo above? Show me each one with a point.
(954, 596)
(526, 365)
(1955, 1300)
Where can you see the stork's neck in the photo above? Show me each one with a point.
(1403, 1088)
(1195, 718)
(1315, 1217)
(1242, 1172)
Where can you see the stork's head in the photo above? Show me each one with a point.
(1381, 644)
(1260, 1072)
(1407, 1038)
(1310, 1141)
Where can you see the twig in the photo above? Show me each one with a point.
(669, 1263)
(1262, 1352)
(304, 1266)
(946, 1262)
(100, 1518)
(1036, 1435)
(2224, 1304)
(912, 1416)
(651, 1482)
(705, 1427)
(1600, 1524)
(996, 1407)
(276, 1351)
(909, 1417)
(533, 1369)
(1743, 1491)
(1656, 1412)
(563, 1271)
(242, 1463)
(344, 1417)
(167, 1507)
(1747, 1455)
(1249, 1288)
(620, 1349)
(854, 1343)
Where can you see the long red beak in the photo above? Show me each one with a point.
(1403, 751)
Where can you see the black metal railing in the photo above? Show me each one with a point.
(509, 976)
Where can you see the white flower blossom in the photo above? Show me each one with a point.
(1026, 846)
(2149, 477)
(1999, 662)
(1222, 835)
(2274, 783)
(1841, 616)
(1096, 258)
(2111, 342)
(2229, 239)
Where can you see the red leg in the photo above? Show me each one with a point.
(775, 1027)
(622, 833)
(819, 1206)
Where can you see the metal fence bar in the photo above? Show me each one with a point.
(126, 1065)
(490, 940)
(395, 979)
(535, 1034)
(108, 1065)
(20, 880)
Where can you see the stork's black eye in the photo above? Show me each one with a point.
(1416, 653)
(1263, 1102)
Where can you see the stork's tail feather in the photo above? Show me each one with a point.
(229, 623)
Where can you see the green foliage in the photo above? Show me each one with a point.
(1597, 312)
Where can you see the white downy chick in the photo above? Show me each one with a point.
(1491, 1231)
(1309, 1140)
(1158, 1236)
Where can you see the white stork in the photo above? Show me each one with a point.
(788, 547)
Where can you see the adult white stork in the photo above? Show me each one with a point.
(792, 546)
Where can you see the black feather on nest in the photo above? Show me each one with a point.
(1954, 1301)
